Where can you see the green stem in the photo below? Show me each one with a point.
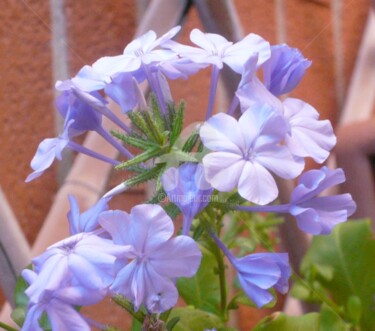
(331, 304)
(222, 281)
(205, 219)
(128, 306)
(7, 327)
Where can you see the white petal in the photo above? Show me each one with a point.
(178, 257)
(223, 170)
(151, 226)
(257, 185)
(222, 133)
(280, 161)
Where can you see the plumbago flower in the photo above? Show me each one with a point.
(284, 70)
(156, 257)
(223, 163)
(307, 136)
(258, 272)
(320, 214)
(216, 50)
(245, 151)
(88, 220)
(187, 188)
(61, 315)
(315, 214)
(73, 272)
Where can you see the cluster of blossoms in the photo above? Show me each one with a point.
(137, 255)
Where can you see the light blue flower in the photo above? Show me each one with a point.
(188, 189)
(284, 69)
(88, 220)
(83, 261)
(216, 50)
(320, 214)
(156, 258)
(61, 314)
(245, 152)
(259, 272)
(307, 136)
(48, 150)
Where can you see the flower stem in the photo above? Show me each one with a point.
(222, 281)
(233, 105)
(217, 251)
(107, 113)
(268, 209)
(7, 327)
(114, 143)
(81, 149)
(128, 306)
(213, 88)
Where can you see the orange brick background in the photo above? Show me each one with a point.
(103, 27)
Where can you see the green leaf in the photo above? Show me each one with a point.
(138, 121)
(174, 157)
(172, 323)
(172, 210)
(304, 291)
(190, 142)
(282, 322)
(331, 321)
(21, 300)
(350, 251)
(18, 315)
(354, 309)
(159, 119)
(134, 141)
(242, 298)
(147, 155)
(152, 173)
(136, 325)
(155, 128)
(202, 291)
(177, 124)
(191, 319)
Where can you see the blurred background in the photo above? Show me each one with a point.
(42, 41)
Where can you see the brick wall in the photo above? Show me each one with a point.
(103, 27)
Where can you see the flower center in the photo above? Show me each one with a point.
(139, 52)
(249, 154)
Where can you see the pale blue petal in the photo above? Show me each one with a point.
(259, 296)
(64, 317)
(280, 161)
(309, 136)
(151, 226)
(88, 274)
(285, 69)
(161, 294)
(178, 257)
(223, 170)
(33, 315)
(117, 224)
(222, 133)
(124, 280)
(237, 54)
(256, 184)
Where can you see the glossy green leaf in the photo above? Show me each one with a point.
(191, 319)
(282, 322)
(243, 299)
(331, 321)
(350, 251)
(354, 309)
(202, 291)
(21, 300)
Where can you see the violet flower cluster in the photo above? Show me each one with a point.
(263, 135)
